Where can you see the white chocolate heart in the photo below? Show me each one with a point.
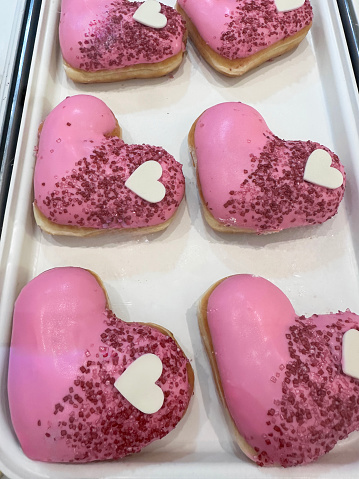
(350, 355)
(137, 384)
(288, 5)
(318, 170)
(144, 182)
(149, 14)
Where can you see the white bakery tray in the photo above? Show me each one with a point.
(307, 94)
(356, 7)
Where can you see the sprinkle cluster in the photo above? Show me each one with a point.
(117, 40)
(256, 24)
(319, 404)
(94, 420)
(94, 194)
(274, 195)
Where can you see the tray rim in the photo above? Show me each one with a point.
(347, 74)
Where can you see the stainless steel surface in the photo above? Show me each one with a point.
(10, 28)
(349, 11)
(16, 60)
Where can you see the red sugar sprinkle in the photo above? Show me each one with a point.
(267, 196)
(96, 184)
(256, 23)
(95, 420)
(318, 402)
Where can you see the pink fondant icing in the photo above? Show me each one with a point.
(98, 35)
(240, 28)
(67, 350)
(80, 173)
(281, 373)
(251, 179)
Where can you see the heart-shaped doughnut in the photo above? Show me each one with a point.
(103, 42)
(252, 181)
(279, 375)
(235, 36)
(68, 349)
(81, 171)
